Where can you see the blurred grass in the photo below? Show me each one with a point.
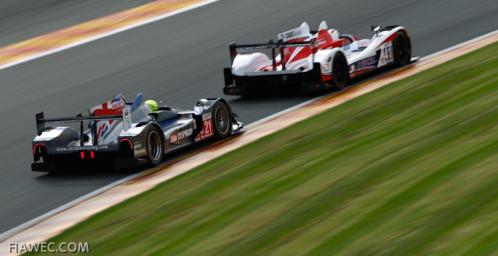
(411, 168)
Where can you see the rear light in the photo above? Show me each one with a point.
(39, 151)
(38, 148)
(92, 154)
(82, 155)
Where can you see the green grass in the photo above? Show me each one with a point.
(411, 168)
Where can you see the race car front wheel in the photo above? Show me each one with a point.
(155, 147)
(222, 119)
(402, 49)
(340, 71)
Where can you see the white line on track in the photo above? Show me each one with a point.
(97, 37)
(4, 236)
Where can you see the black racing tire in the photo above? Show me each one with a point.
(154, 145)
(402, 49)
(340, 71)
(222, 120)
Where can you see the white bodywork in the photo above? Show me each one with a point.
(358, 51)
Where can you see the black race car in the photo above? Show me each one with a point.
(127, 134)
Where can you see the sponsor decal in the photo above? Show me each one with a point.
(386, 54)
(291, 34)
(321, 41)
(140, 151)
(207, 130)
(79, 148)
(181, 135)
(365, 63)
(173, 138)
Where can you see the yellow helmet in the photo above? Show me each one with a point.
(152, 105)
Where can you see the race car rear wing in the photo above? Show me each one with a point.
(41, 120)
(280, 45)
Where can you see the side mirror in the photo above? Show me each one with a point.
(375, 28)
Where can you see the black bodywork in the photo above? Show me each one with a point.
(58, 148)
(271, 80)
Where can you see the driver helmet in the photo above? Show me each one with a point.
(152, 104)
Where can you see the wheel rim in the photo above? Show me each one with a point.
(222, 120)
(155, 150)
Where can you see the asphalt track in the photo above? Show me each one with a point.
(180, 60)
(24, 19)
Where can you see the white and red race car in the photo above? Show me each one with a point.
(313, 60)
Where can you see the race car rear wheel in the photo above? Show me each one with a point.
(340, 71)
(222, 119)
(402, 49)
(155, 147)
